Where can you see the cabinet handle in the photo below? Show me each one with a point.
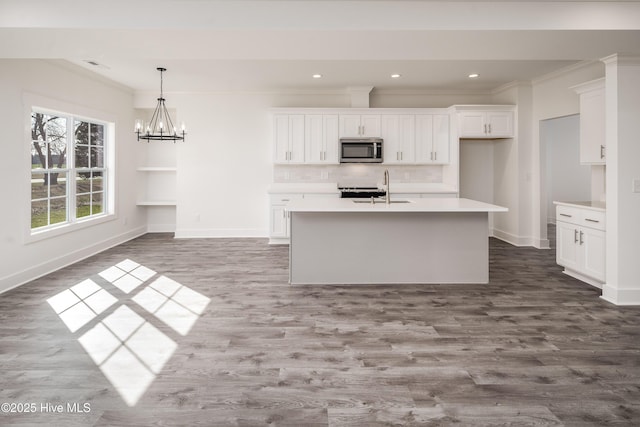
(397, 155)
(435, 155)
(284, 213)
(567, 215)
(602, 151)
(591, 220)
(485, 128)
(581, 234)
(432, 155)
(489, 127)
(575, 236)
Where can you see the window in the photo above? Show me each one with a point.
(68, 169)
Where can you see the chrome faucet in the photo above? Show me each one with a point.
(386, 184)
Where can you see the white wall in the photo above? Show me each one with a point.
(566, 178)
(552, 97)
(476, 171)
(70, 85)
(622, 87)
(225, 165)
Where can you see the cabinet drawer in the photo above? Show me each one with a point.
(568, 214)
(582, 217)
(593, 219)
(284, 198)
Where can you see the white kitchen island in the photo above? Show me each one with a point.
(434, 240)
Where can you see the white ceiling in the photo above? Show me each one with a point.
(266, 45)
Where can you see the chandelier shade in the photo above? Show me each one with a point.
(160, 127)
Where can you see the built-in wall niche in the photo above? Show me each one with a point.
(157, 170)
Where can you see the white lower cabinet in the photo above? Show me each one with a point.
(279, 217)
(580, 243)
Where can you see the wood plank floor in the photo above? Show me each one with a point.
(226, 341)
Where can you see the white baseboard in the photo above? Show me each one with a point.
(17, 279)
(216, 233)
(619, 296)
(161, 228)
(512, 238)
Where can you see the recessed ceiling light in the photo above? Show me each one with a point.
(317, 76)
(396, 76)
(474, 75)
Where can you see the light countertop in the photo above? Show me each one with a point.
(413, 205)
(596, 206)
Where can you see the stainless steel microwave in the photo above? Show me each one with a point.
(360, 150)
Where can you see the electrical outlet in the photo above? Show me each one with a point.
(635, 185)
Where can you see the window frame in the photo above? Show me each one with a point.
(71, 113)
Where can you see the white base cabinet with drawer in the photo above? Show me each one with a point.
(279, 217)
(580, 243)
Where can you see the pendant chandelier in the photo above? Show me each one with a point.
(160, 128)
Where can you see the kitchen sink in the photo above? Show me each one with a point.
(379, 201)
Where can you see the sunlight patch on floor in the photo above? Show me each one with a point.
(129, 350)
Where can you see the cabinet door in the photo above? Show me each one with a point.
(296, 138)
(390, 133)
(350, 125)
(593, 252)
(567, 245)
(331, 139)
(424, 138)
(398, 133)
(499, 124)
(314, 138)
(472, 124)
(441, 138)
(281, 138)
(279, 227)
(370, 125)
(592, 127)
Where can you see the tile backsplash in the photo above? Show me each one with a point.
(355, 174)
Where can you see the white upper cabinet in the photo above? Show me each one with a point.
(432, 138)
(288, 138)
(485, 124)
(359, 125)
(398, 133)
(321, 139)
(592, 122)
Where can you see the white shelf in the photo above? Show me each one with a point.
(157, 169)
(156, 203)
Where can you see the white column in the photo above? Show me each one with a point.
(622, 285)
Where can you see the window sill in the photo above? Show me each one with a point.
(67, 228)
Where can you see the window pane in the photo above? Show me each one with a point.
(82, 156)
(83, 182)
(38, 186)
(83, 206)
(58, 210)
(97, 181)
(97, 134)
(97, 157)
(39, 213)
(58, 184)
(58, 154)
(46, 127)
(81, 132)
(38, 155)
(96, 203)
